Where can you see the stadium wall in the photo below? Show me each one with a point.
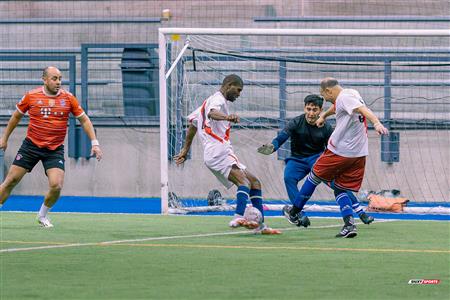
(21, 22)
(131, 164)
(131, 167)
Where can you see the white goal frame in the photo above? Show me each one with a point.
(164, 75)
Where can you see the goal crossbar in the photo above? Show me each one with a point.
(306, 32)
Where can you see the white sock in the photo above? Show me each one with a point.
(43, 211)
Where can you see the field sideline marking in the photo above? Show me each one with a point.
(71, 245)
(38, 242)
(285, 248)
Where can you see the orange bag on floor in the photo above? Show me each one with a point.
(378, 203)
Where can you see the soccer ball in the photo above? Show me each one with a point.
(253, 215)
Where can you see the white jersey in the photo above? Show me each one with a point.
(218, 153)
(349, 138)
(212, 132)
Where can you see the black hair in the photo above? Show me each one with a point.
(314, 99)
(233, 79)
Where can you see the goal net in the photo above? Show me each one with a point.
(403, 76)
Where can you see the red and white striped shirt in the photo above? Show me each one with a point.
(48, 116)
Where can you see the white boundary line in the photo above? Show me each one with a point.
(160, 238)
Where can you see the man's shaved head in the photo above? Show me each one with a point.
(330, 89)
(50, 70)
(328, 82)
(51, 76)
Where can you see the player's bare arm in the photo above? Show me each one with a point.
(366, 112)
(321, 120)
(12, 124)
(181, 157)
(89, 129)
(219, 116)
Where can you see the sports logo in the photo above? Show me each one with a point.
(46, 111)
(424, 281)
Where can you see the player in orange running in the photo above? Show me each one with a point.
(48, 107)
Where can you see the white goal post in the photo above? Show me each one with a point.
(165, 67)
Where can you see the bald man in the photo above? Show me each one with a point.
(343, 162)
(48, 107)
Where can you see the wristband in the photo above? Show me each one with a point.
(95, 143)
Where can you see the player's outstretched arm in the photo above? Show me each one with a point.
(321, 120)
(276, 143)
(181, 157)
(279, 140)
(366, 112)
(219, 116)
(12, 124)
(89, 129)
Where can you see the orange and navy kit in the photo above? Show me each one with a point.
(48, 116)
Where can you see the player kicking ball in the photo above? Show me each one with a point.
(212, 121)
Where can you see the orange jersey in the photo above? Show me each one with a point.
(48, 116)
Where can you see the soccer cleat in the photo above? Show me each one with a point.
(293, 219)
(298, 219)
(264, 229)
(303, 221)
(347, 231)
(237, 221)
(44, 222)
(366, 219)
(286, 210)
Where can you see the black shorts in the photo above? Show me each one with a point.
(29, 155)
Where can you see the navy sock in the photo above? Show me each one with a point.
(344, 203)
(242, 196)
(358, 209)
(348, 220)
(306, 191)
(257, 200)
(355, 203)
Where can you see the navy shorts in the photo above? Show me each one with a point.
(29, 155)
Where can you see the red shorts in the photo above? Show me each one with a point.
(347, 172)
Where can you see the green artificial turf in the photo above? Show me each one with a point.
(101, 256)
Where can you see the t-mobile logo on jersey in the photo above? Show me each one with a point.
(46, 111)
